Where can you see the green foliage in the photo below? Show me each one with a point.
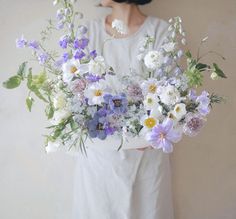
(218, 71)
(29, 103)
(195, 77)
(12, 82)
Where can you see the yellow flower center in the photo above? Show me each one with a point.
(150, 122)
(73, 69)
(149, 100)
(171, 116)
(152, 88)
(98, 93)
(177, 109)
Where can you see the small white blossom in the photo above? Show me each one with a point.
(169, 95)
(97, 66)
(153, 60)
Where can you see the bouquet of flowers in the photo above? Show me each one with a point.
(85, 98)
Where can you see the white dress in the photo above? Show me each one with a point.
(125, 184)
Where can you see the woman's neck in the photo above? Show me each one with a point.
(130, 14)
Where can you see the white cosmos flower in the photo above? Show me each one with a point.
(73, 68)
(59, 101)
(151, 101)
(153, 60)
(119, 26)
(169, 95)
(150, 86)
(95, 93)
(59, 116)
(97, 66)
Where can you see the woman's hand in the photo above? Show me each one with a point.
(144, 148)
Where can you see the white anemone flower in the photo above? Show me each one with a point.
(73, 68)
(179, 111)
(151, 102)
(119, 26)
(95, 93)
(153, 60)
(97, 66)
(150, 86)
(169, 95)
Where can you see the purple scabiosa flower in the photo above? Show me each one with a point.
(204, 101)
(79, 54)
(134, 93)
(42, 58)
(93, 78)
(193, 124)
(78, 86)
(81, 44)
(21, 43)
(117, 104)
(164, 135)
(34, 45)
(93, 54)
(64, 40)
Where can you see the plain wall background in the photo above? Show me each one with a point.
(36, 185)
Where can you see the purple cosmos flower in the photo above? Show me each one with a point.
(194, 123)
(64, 42)
(21, 43)
(34, 45)
(81, 44)
(42, 58)
(192, 94)
(93, 78)
(93, 54)
(204, 101)
(163, 135)
(135, 92)
(79, 54)
(117, 104)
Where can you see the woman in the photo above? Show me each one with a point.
(130, 183)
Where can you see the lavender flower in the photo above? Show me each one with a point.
(65, 57)
(42, 58)
(82, 29)
(34, 45)
(194, 123)
(60, 14)
(93, 54)
(79, 54)
(117, 104)
(163, 135)
(64, 40)
(21, 43)
(192, 94)
(81, 44)
(93, 78)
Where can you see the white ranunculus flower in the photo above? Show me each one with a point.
(97, 66)
(169, 47)
(169, 95)
(59, 101)
(150, 85)
(119, 26)
(95, 93)
(179, 111)
(73, 68)
(52, 146)
(59, 116)
(153, 60)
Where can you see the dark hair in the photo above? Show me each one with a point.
(137, 2)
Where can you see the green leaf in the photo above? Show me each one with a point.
(218, 71)
(21, 70)
(29, 79)
(12, 82)
(188, 54)
(73, 125)
(38, 94)
(49, 111)
(29, 103)
(202, 67)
